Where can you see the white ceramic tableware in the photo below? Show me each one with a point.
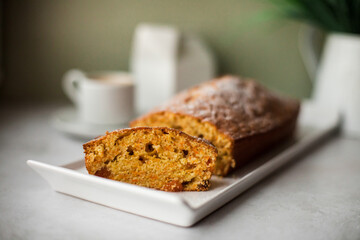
(66, 120)
(337, 75)
(101, 97)
(164, 61)
(186, 208)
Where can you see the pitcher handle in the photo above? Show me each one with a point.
(308, 50)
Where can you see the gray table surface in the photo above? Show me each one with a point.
(316, 197)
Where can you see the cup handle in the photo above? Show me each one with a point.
(70, 84)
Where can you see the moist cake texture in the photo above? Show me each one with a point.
(238, 116)
(160, 158)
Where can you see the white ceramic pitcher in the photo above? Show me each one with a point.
(337, 75)
(164, 61)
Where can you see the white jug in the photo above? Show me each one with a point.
(165, 61)
(337, 76)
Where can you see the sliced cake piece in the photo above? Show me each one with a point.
(160, 157)
(239, 116)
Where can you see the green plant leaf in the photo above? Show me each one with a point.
(330, 15)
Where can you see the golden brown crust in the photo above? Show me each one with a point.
(240, 109)
(145, 156)
(237, 107)
(247, 148)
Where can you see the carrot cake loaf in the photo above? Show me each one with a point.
(238, 116)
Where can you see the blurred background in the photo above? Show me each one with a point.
(42, 39)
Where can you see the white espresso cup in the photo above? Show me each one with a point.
(101, 97)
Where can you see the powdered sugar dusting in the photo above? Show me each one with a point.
(237, 107)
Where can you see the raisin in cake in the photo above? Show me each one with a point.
(238, 116)
(160, 158)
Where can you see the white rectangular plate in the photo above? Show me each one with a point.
(186, 208)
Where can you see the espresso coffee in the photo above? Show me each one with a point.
(113, 78)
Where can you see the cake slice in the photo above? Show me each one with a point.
(161, 158)
(238, 116)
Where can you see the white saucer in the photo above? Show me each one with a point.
(66, 120)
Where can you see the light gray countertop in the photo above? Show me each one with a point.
(316, 197)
